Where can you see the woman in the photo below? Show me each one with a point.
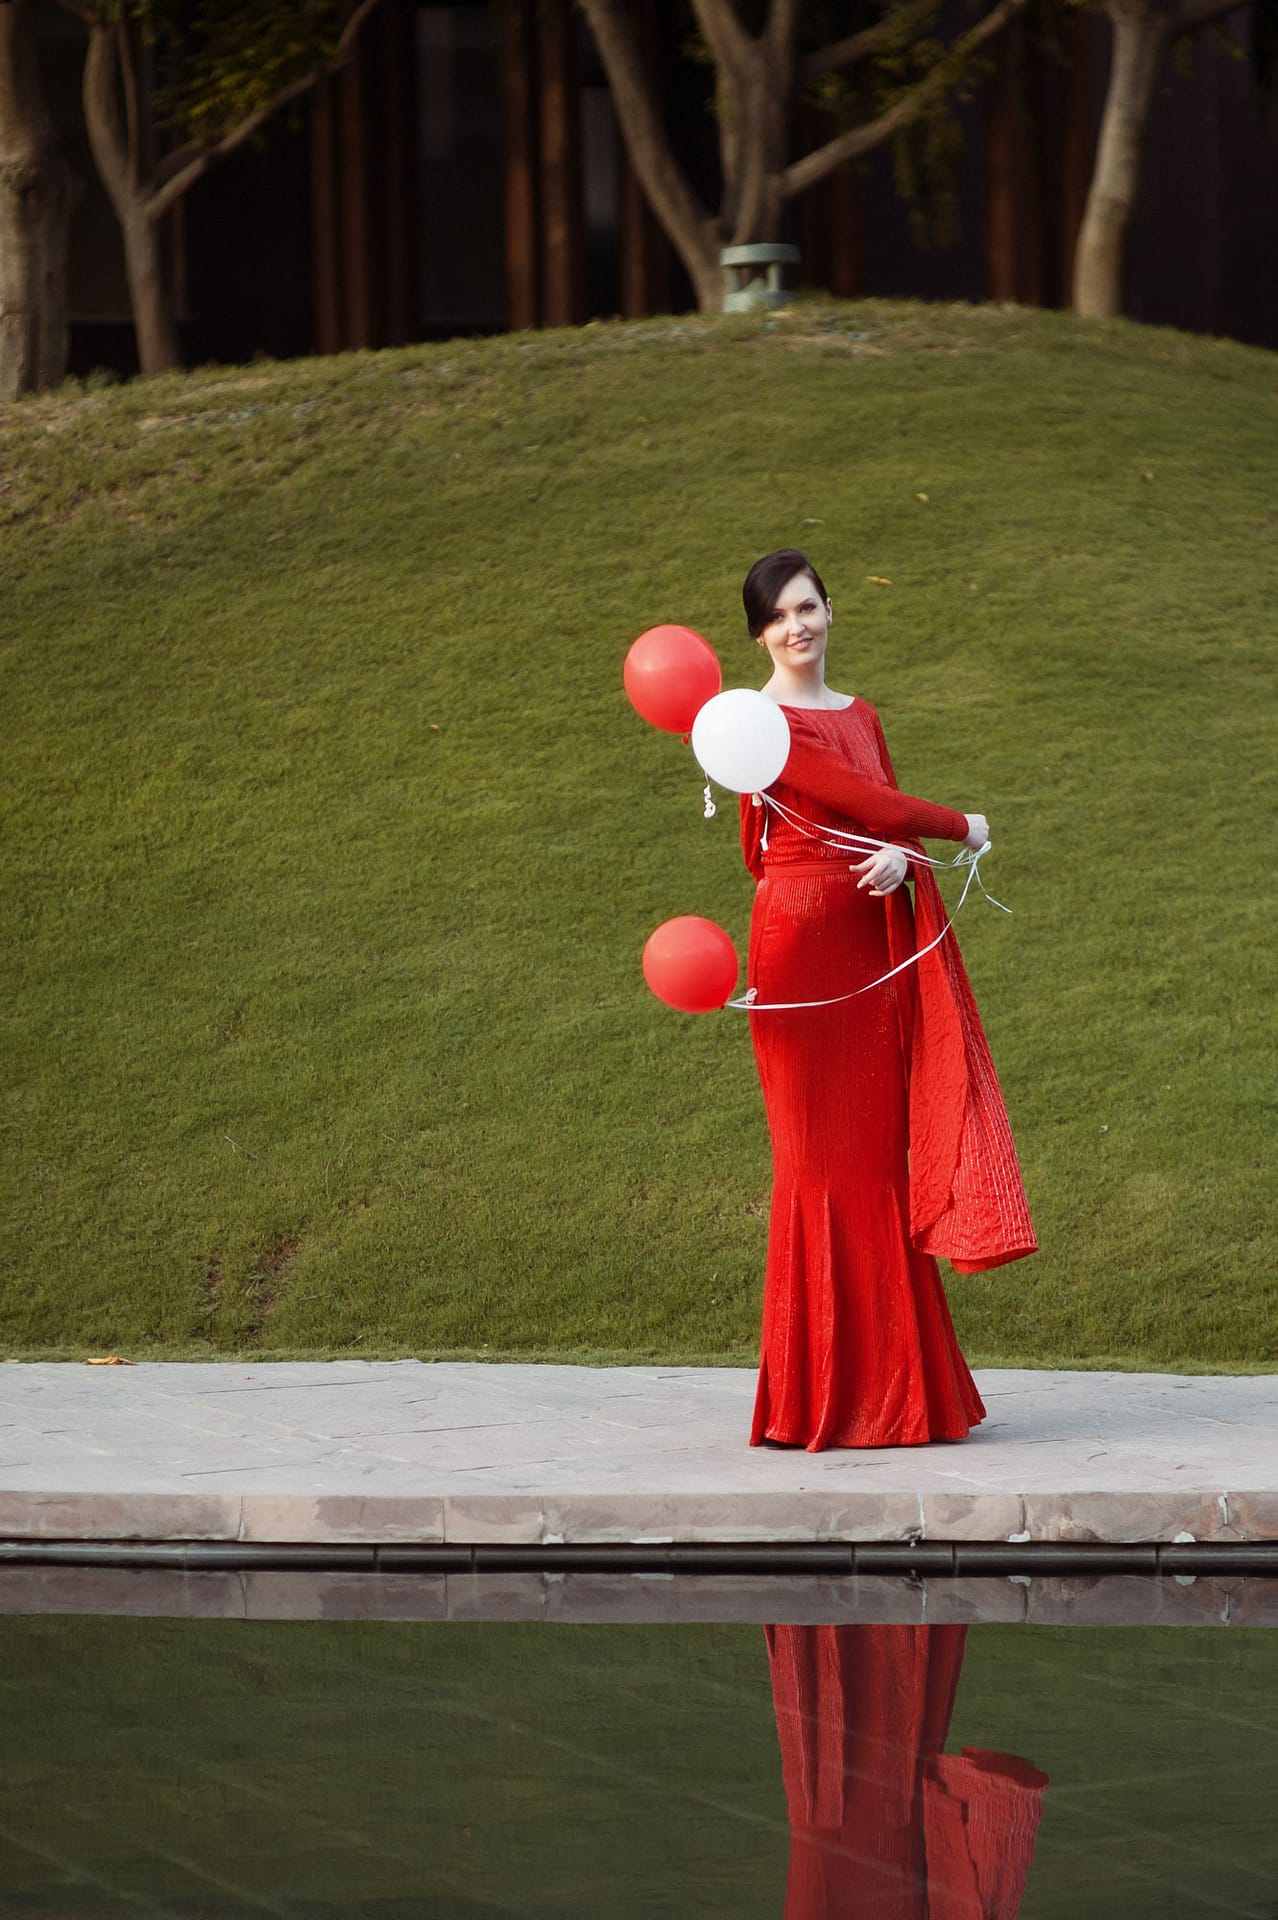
(890, 1141)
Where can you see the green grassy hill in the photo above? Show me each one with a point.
(331, 842)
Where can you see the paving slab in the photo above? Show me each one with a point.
(406, 1452)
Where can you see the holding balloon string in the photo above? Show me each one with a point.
(890, 1141)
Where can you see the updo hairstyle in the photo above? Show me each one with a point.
(765, 580)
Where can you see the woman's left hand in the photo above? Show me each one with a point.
(882, 872)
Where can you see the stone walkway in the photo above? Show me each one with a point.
(404, 1452)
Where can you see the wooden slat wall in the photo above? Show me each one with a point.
(1038, 142)
(363, 189)
(563, 260)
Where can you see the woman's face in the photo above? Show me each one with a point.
(797, 632)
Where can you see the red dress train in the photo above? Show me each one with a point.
(883, 1825)
(890, 1142)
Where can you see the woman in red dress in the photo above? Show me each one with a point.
(890, 1142)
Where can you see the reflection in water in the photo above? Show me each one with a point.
(883, 1825)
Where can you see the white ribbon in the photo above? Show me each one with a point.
(863, 842)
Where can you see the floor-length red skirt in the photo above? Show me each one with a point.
(858, 1348)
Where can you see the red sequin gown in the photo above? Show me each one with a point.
(890, 1142)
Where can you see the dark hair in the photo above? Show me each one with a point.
(765, 580)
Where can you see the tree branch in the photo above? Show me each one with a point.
(742, 220)
(650, 151)
(736, 58)
(783, 21)
(727, 39)
(177, 183)
(130, 78)
(764, 102)
(851, 145)
(870, 40)
(174, 162)
(179, 173)
(729, 118)
(102, 116)
(346, 39)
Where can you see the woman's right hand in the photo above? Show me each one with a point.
(978, 831)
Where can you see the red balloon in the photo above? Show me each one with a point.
(670, 674)
(690, 964)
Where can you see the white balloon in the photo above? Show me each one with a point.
(741, 739)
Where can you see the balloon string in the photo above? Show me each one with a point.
(835, 836)
(865, 842)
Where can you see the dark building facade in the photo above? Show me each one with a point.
(464, 173)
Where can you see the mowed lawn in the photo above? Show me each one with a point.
(331, 842)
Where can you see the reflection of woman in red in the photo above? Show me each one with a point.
(890, 1141)
(883, 1825)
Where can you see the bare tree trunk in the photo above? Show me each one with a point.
(153, 326)
(36, 196)
(755, 99)
(118, 163)
(1140, 38)
(760, 157)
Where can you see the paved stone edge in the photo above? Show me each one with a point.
(1188, 1516)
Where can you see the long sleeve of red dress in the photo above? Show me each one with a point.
(826, 788)
(878, 809)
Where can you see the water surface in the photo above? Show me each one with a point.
(387, 1770)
